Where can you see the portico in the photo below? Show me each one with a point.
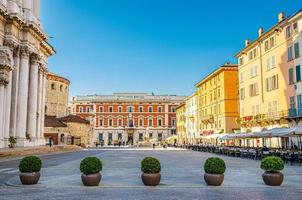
(23, 54)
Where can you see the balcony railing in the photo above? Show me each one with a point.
(207, 119)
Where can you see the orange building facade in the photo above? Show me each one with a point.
(129, 118)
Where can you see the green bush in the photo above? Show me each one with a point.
(214, 165)
(30, 164)
(150, 165)
(272, 164)
(91, 165)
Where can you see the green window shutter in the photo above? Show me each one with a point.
(298, 73)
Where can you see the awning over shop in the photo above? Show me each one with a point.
(275, 132)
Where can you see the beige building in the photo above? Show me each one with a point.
(192, 133)
(56, 102)
(23, 65)
(270, 79)
(59, 125)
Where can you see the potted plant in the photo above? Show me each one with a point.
(214, 171)
(12, 142)
(90, 168)
(272, 166)
(30, 167)
(151, 171)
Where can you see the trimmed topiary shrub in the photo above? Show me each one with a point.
(91, 165)
(272, 164)
(30, 164)
(214, 165)
(150, 165)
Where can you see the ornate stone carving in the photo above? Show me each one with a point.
(24, 50)
(6, 64)
(35, 59)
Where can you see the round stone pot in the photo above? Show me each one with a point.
(29, 178)
(272, 178)
(213, 179)
(151, 179)
(91, 179)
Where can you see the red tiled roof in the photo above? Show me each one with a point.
(74, 118)
(52, 121)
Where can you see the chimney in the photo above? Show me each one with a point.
(281, 16)
(260, 31)
(247, 42)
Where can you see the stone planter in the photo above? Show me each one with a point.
(213, 179)
(272, 178)
(151, 179)
(29, 178)
(91, 179)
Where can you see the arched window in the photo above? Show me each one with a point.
(61, 88)
(53, 87)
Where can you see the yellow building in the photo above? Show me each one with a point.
(270, 78)
(217, 96)
(181, 124)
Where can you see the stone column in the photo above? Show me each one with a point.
(7, 105)
(14, 97)
(6, 64)
(40, 108)
(27, 8)
(1, 115)
(22, 95)
(36, 9)
(33, 97)
(43, 103)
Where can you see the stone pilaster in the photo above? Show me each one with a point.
(14, 93)
(33, 97)
(22, 96)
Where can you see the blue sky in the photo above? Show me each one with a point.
(160, 46)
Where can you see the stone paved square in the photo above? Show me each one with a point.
(182, 178)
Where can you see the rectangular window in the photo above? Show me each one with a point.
(110, 137)
(272, 83)
(297, 53)
(241, 61)
(290, 53)
(141, 122)
(150, 122)
(159, 109)
(101, 122)
(298, 73)
(292, 102)
(150, 109)
(291, 76)
(288, 32)
(159, 122)
(119, 136)
(110, 109)
(101, 108)
(141, 109)
(242, 93)
(295, 28)
(120, 122)
(110, 122)
(254, 89)
(160, 137)
(253, 71)
(119, 109)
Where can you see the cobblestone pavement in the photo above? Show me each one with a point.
(182, 178)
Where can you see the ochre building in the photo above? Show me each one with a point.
(217, 96)
(23, 66)
(270, 87)
(128, 117)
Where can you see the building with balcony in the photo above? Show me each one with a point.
(270, 87)
(128, 117)
(217, 96)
